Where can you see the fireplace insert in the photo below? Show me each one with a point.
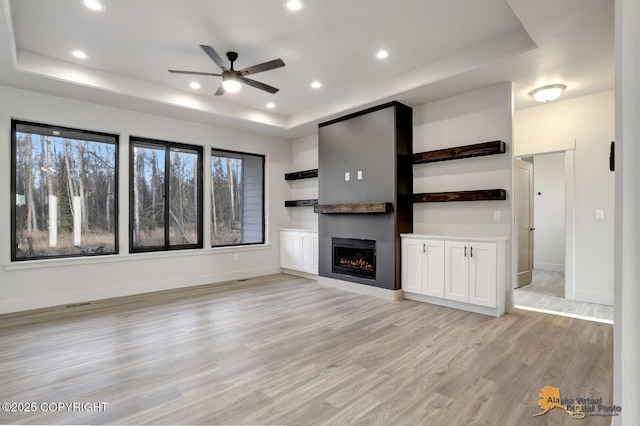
(354, 257)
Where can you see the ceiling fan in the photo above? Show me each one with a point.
(232, 78)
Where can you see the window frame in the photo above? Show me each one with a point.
(262, 157)
(71, 132)
(166, 145)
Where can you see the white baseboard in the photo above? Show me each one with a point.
(494, 312)
(300, 274)
(557, 267)
(18, 305)
(369, 290)
(593, 297)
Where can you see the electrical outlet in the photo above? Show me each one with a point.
(235, 256)
(497, 215)
(359, 174)
(347, 176)
(599, 214)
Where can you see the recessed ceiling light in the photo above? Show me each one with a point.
(271, 105)
(316, 85)
(95, 5)
(79, 54)
(194, 85)
(382, 54)
(56, 133)
(547, 93)
(294, 5)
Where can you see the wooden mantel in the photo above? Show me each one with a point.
(355, 208)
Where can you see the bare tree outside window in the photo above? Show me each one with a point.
(166, 206)
(65, 187)
(237, 198)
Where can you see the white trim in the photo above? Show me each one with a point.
(557, 267)
(300, 274)
(544, 148)
(565, 314)
(369, 290)
(494, 312)
(594, 297)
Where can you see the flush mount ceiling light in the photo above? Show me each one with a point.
(316, 85)
(95, 5)
(79, 54)
(547, 93)
(293, 5)
(382, 54)
(194, 85)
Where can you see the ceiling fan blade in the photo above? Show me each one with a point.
(195, 73)
(220, 91)
(259, 85)
(266, 66)
(214, 56)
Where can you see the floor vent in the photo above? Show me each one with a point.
(76, 305)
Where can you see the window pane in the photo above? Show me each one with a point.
(237, 201)
(166, 202)
(148, 196)
(65, 186)
(183, 190)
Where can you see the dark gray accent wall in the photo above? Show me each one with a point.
(378, 142)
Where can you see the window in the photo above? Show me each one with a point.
(64, 191)
(237, 198)
(166, 195)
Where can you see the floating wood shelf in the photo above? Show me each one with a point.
(356, 208)
(305, 174)
(479, 195)
(301, 203)
(467, 151)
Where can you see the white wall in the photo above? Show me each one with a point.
(626, 348)
(304, 156)
(35, 284)
(590, 121)
(548, 211)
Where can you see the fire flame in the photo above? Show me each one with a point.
(356, 263)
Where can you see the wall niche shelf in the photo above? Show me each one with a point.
(478, 195)
(356, 208)
(305, 174)
(301, 203)
(466, 151)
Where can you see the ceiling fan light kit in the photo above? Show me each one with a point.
(232, 78)
(294, 5)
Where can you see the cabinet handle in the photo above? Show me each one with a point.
(465, 251)
(471, 251)
(424, 248)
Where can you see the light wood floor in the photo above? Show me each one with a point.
(284, 350)
(546, 292)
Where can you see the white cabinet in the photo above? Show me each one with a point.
(299, 250)
(423, 266)
(470, 272)
(455, 272)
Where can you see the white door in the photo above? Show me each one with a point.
(433, 268)
(482, 274)
(456, 271)
(411, 265)
(523, 195)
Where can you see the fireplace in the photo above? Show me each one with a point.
(354, 257)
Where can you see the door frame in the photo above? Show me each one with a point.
(568, 146)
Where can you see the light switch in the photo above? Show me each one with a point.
(347, 176)
(599, 214)
(359, 174)
(497, 215)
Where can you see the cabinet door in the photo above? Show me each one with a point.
(433, 268)
(412, 265)
(306, 252)
(482, 274)
(296, 251)
(456, 273)
(314, 254)
(285, 249)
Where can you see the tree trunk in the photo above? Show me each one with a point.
(136, 201)
(32, 218)
(81, 189)
(232, 191)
